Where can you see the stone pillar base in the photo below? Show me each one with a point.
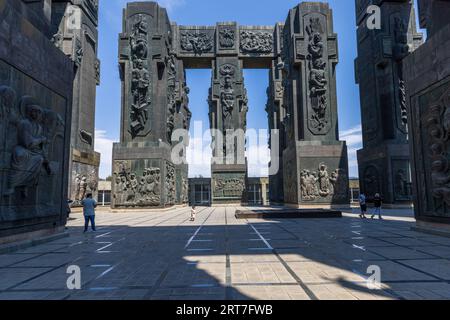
(29, 239)
(316, 174)
(144, 177)
(229, 185)
(385, 169)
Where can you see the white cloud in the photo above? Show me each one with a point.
(104, 146)
(353, 136)
(258, 157)
(199, 156)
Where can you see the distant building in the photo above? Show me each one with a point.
(104, 193)
(354, 189)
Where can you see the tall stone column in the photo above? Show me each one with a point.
(75, 32)
(384, 161)
(182, 121)
(427, 75)
(153, 95)
(228, 112)
(276, 112)
(315, 162)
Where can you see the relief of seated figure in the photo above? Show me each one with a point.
(29, 155)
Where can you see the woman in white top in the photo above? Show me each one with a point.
(193, 213)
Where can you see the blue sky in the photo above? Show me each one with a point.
(208, 12)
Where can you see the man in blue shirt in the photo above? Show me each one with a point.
(89, 206)
(363, 205)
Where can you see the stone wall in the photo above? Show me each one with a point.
(36, 82)
(384, 161)
(427, 73)
(74, 29)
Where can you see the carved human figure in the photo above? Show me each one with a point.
(123, 189)
(312, 189)
(441, 180)
(133, 188)
(401, 183)
(339, 181)
(304, 185)
(315, 47)
(82, 188)
(197, 42)
(29, 156)
(138, 39)
(227, 99)
(317, 75)
(140, 82)
(256, 42)
(150, 181)
(226, 38)
(324, 180)
(140, 86)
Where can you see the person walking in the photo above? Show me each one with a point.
(363, 205)
(89, 206)
(377, 202)
(193, 213)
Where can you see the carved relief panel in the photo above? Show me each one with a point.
(227, 36)
(32, 137)
(140, 82)
(136, 185)
(170, 184)
(435, 145)
(228, 185)
(197, 41)
(259, 42)
(84, 181)
(323, 183)
(319, 113)
(401, 177)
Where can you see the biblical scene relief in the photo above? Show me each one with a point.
(133, 189)
(322, 183)
(31, 141)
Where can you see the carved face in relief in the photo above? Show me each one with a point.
(438, 165)
(34, 112)
(227, 82)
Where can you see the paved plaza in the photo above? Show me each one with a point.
(162, 255)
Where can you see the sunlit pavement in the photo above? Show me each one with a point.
(162, 255)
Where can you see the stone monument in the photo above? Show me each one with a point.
(154, 54)
(427, 75)
(384, 161)
(315, 165)
(74, 29)
(154, 106)
(36, 81)
(276, 111)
